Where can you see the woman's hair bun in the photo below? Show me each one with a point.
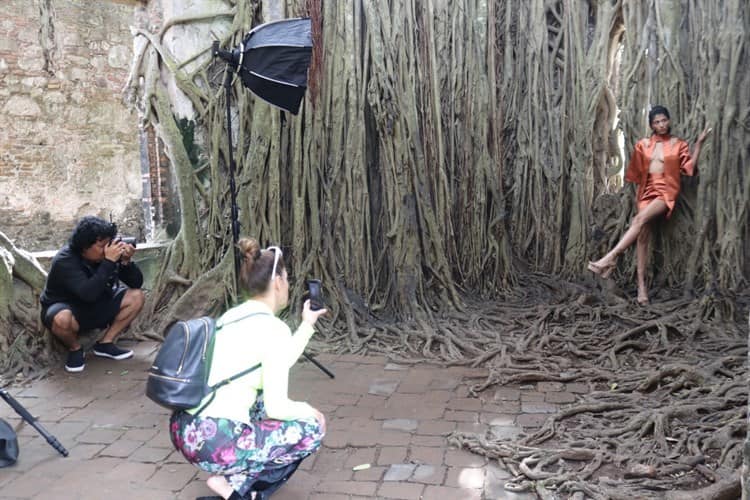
(250, 248)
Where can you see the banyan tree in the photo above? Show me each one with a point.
(452, 169)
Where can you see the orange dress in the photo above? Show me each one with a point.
(677, 160)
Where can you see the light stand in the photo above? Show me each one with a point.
(232, 62)
(233, 59)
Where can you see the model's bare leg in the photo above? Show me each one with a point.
(606, 264)
(220, 486)
(65, 327)
(641, 253)
(131, 305)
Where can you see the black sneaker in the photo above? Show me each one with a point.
(110, 350)
(75, 361)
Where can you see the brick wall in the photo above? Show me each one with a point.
(68, 145)
(161, 192)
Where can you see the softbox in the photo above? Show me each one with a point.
(273, 59)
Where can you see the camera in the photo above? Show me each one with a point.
(130, 240)
(315, 294)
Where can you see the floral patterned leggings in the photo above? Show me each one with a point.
(239, 451)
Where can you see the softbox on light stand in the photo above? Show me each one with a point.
(272, 62)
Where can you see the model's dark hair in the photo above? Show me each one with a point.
(89, 230)
(257, 265)
(657, 110)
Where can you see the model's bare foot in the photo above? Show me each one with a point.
(642, 297)
(220, 486)
(603, 270)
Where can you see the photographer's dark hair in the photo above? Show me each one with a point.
(658, 110)
(257, 265)
(88, 231)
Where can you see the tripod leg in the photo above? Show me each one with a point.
(316, 363)
(32, 422)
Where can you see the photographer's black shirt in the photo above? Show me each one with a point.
(72, 279)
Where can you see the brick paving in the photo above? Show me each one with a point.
(393, 418)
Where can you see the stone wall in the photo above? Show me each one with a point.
(68, 145)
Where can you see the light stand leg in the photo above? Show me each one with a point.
(317, 363)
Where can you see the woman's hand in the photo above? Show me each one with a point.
(321, 420)
(310, 316)
(704, 135)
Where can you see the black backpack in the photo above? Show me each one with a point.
(178, 378)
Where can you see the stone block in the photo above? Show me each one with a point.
(531, 419)
(463, 458)
(150, 454)
(383, 387)
(497, 418)
(429, 474)
(371, 474)
(506, 394)
(100, 436)
(391, 455)
(172, 477)
(403, 491)
(447, 493)
(436, 427)
(532, 396)
(8, 44)
(360, 456)
(549, 386)
(121, 449)
(426, 455)
(418, 440)
(465, 404)
(465, 477)
(577, 388)
(399, 472)
(462, 416)
(119, 56)
(364, 488)
(400, 424)
(560, 397)
(22, 106)
(505, 432)
(538, 407)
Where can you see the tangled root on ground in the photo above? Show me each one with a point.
(666, 407)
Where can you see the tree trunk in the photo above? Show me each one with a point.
(25, 347)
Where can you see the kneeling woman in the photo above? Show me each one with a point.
(251, 430)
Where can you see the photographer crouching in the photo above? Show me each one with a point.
(84, 291)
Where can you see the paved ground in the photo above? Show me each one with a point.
(394, 418)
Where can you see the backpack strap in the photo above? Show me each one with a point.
(213, 388)
(220, 324)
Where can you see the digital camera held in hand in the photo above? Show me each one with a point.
(130, 240)
(315, 294)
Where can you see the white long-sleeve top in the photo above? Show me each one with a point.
(261, 338)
